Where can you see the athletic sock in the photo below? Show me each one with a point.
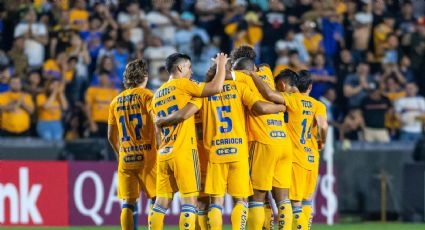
(127, 217)
(188, 217)
(156, 221)
(308, 212)
(299, 222)
(284, 215)
(256, 215)
(215, 221)
(269, 217)
(150, 213)
(239, 215)
(202, 220)
(135, 215)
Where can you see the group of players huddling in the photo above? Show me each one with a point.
(232, 134)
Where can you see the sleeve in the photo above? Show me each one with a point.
(111, 117)
(247, 95)
(197, 102)
(321, 109)
(192, 88)
(289, 100)
(40, 100)
(28, 100)
(89, 96)
(148, 102)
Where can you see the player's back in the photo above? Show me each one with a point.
(301, 110)
(224, 122)
(269, 128)
(130, 111)
(171, 97)
(313, 141)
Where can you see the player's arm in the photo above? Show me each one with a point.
(322, 125)
(216, 85)
(265, 90)
(187, 111)
(261, 108)
(113, 138)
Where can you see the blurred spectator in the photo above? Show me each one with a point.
(374, 107)
(292, 42)
(79, 16)
(393, 89)
(417, 48)
(4, 80)
(406, 24)
(361, 34)
(344, 67)
(352, 126)
(333, 35)
(18, 56)
(328, 98)
(312, 40)
(187, 32)
(16, 108)
(356, 85)
(380, 33)
(93, 36)
(292, 62)
(322, 78)
(405, 69)
(36, 37)
(52, 68)
(155, 82)
(79, 50)
(156, 53)
(49, 109)
(201, 57)
(392, 53)
(162, 21)
(98, 99)
(210, 12)
(107, 49)
(107, 65)
(133, 19)
(60, 36)
(121, 56)
(235, 25)
(411, 112)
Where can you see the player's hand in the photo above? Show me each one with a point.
(320, 145)
(158, 122)
(221, 59)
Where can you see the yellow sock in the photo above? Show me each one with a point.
(284, 215)
(127, 217)
(150, 213)
(256, 215)
(157, 214)
(188, 217)
(299, 222)
(308, 212)
(201, 223)
(269, 217)
(215, 221)
(239, 215)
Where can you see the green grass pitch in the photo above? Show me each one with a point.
(360, 226)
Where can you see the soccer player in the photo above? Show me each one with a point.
(130, 127)
(226, 142)
(178, 164)
(302, 111)
(269, 145)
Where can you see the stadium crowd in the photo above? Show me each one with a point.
(62, 62)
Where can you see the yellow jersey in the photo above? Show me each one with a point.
(223, 120)
(51, 68)
(269, 128)
(299, 116)
(312, 142)
(79, 19)
(98, 100)
(53, 113)
(170, 97)
(16, 121)
(130, 112)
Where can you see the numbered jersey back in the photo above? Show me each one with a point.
(130, 112)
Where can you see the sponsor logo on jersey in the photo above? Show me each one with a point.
(226, 151)
(133, 158)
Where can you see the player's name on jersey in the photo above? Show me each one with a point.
(129, 107)
(227, 141)
(128, 98)
(136, 148)
(273, 122)
(164, 91)
(170, 138)
(221, 97)
(165, 101)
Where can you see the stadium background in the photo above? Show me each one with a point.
(57, 169)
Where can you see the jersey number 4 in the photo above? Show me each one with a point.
(304, 125)
(222, 118)
(137, 127)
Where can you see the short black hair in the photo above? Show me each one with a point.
(288, 76)
(243, 51)
(304, 81)
(174, 59)
(244, 63)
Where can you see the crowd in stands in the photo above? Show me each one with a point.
(62, 62)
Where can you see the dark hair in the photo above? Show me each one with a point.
(243, 51)
(135, 73)
(175, 59)
(292, 52)
(304, 81)
(103, 72)
(244, 64)
(288, 76)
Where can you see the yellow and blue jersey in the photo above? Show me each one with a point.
(223, 119)
(130, 111)
(312, 142)
(170, 97)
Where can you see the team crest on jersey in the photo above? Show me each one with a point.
(133, 158)
(166, 150)
(310, 158)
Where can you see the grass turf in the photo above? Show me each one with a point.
(361, 226)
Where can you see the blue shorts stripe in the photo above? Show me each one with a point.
(129, 206)
(307, 202)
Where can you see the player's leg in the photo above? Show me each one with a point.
(165, 188)
(215, 186)
(128, 192)
(188, 179)
(261, 181)
(281, 185)
(203, 204)
(240, 188)
(298, 186)
(148, 183)
(308, 197)
(268, 213)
